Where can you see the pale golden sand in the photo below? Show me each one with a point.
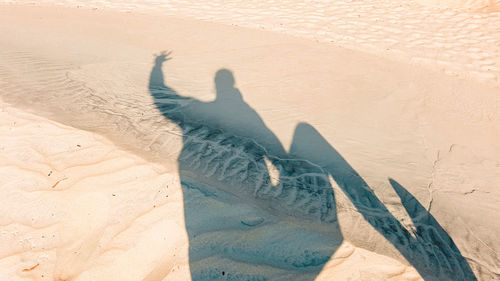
(90, 176)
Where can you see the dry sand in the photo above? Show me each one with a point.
(297, 171)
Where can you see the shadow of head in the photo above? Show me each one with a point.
(224, 84)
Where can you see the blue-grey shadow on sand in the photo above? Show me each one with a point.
(226, 155)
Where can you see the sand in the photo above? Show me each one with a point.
(251, 152)
(76, 207)
(457, 37)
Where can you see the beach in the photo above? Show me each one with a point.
(221, 141)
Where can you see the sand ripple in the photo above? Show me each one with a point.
(462, 44)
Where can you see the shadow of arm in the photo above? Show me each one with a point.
(428, 230)
(165, 98)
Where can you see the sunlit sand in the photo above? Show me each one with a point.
(220, 140)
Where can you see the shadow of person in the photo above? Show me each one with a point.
(240, 224)
(246, 223)
(429, 249)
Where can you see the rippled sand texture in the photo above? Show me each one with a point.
(76, 207)
(460, 43)
(109, 184)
